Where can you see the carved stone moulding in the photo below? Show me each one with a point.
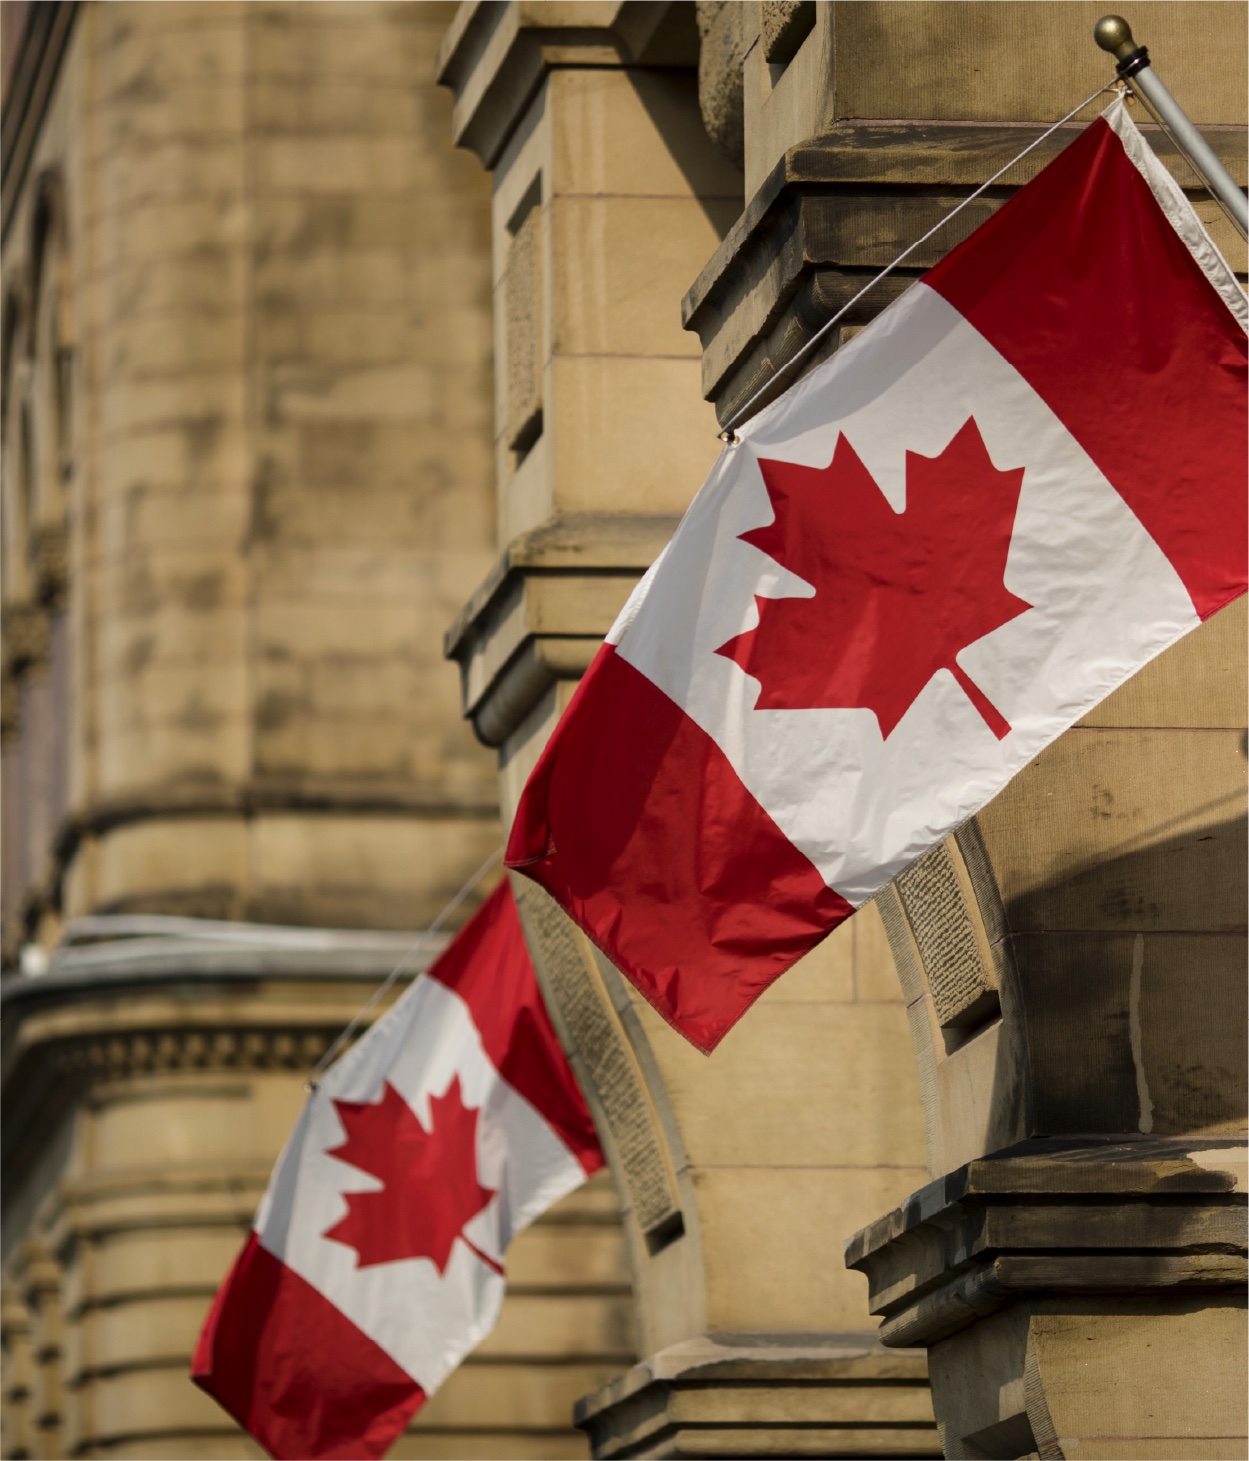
(765, 1395)
(541, 613)
(1071, 1276)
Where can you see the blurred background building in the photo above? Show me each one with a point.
(329, 326)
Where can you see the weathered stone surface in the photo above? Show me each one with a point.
(247, 439)
(764, 1394)
(1010, 1266)
(731, 1174)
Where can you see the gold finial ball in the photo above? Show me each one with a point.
(1112, 33)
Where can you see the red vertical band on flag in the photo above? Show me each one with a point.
(1081, 283)
(488, 966)
(635, 821)
(294, 1371)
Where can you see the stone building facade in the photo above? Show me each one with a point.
(328, 326)
(247, 482)
(1069, 1259)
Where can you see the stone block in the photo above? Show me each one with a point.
(135, 1263)
(201, 1122)
(151, 1330)
(209, 751)
(1159, 1020)
(358, 279)
(627, 430)
(635, 133)
(158, 348)
(199, 454)
(788, 1285)
(568, 1254)
(337, 47)
(336, 164)
(157, 519)
(510, 1395)
(129, 406)
(148, 1402)
(782, 1071)
(160, 230)
(609, 256)
(1148, 1394)
(1124, 830)
(178, 634)
(168, 857)
(168, 172)
(587, 1326)
(319, 497)
(896, 64)
(875, 977)
(348, 870)
(196, 111)
(178, 698)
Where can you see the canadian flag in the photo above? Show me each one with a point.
(1019, 484)
(376, 1260)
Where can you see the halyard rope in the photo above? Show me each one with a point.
(417, 948)
(727, 434)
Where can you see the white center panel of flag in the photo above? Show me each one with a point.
(860, 805)
(427, 1049)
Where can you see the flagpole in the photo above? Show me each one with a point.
(1112, 33)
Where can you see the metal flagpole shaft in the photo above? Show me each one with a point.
(1112, 33)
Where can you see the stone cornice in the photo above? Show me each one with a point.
(1057, 1216)
(309, 796)
(67, 1031)
(715, 1395)
(839, 206)
(541, 613)
(495, 56)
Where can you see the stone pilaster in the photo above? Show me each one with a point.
(609, 196)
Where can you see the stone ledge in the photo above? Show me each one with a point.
(838, 208)
(495, 57)
(765, 1395)
(542, 611)
(1116, 1217)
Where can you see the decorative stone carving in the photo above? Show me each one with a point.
(785, 25)
(522, 329)
(606, 1065)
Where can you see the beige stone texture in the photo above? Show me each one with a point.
(734, 1174)
(957, 61)
(266, 467)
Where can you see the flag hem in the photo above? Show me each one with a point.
(1178, 211)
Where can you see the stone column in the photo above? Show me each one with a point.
(278, 482)
(732, 1172)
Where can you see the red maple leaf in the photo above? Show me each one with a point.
(431, 1189)
(897, 594)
